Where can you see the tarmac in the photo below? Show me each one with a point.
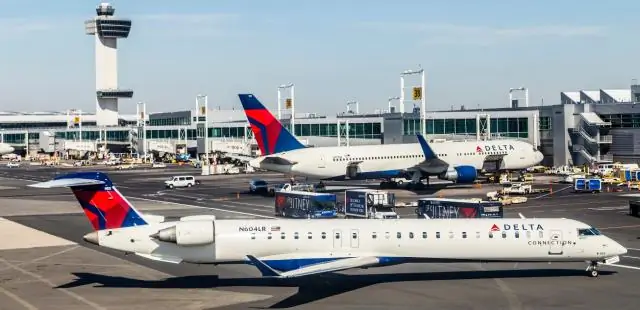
(44, 264)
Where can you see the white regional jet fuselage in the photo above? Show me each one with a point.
(293, 244)
(393, 160)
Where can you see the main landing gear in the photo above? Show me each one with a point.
(592, 269)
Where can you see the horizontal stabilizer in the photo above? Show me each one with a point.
(332, 266)
(276, 160)
(161, 258)
(67, 183)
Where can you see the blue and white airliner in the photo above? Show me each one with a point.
(457, 161)
(285, 248)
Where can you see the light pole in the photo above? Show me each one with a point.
(350, 103)
(423, 102)
(526, 95)
(293, 104)
(202, 109)
(390, 100)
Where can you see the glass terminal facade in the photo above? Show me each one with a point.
(505, 127)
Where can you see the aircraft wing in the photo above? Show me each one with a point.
(432, 164)
(332, 266)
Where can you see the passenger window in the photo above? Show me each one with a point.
(324, 235)
(437, 235)
(253, 236)
(295, 235)
(490, 235)
(464, 235)
(517, 234)
(410, 235)
(504, 234)
(354, 235)
(424, 235)
(399, 235)
(269, 236)
(374, 236)
(282, 236)
(387, 235)
(309, 235)
(337, 235)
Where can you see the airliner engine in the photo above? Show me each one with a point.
(188, 233)
(460, 174)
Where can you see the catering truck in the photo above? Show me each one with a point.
(371, 204)
(442, 208)
(307, 205)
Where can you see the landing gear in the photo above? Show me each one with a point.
(592, 269)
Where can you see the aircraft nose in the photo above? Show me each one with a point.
(539, 156)
(619, 249)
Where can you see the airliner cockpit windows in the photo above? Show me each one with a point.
(588, 232)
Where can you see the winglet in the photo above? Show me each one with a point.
(264, 268)
(426, 149)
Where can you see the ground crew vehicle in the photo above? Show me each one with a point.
(306, 205)
(634, 208)
(372, 204)
(517, 189)
(585, 185)
(181, 181)
(442, 208)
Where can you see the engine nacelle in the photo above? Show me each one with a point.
(190, 233)
(460, 174)
(198, 218)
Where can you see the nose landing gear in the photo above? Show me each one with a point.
(592, 269)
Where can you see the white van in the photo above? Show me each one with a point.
(181, 181)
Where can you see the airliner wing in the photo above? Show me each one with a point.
(332, 266)
(432, 164)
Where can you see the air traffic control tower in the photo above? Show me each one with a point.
(107, 29)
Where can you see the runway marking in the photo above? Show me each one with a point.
(631, 257)
(45, 281)
(202, 207)
(619, 227)
(556, 205)
(553, 192)
(43, 257)
(624, 266)
(19, 300)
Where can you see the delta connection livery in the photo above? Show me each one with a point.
(456, 161)
(285, 248)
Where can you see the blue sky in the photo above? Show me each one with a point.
(334, 51)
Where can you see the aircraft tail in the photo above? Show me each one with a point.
(426, 149)
(271, 136)
(103, 204)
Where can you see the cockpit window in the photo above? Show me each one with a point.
(589, 232)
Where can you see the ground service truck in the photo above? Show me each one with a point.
(442, 208)
(306, 205)
(367, 203)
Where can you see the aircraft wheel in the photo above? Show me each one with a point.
(594, 273)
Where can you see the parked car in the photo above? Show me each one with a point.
(181, 181)
(258, 186)
(158, 165)
(13, 164)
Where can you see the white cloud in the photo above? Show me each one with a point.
(207, 18)
(482, 35)
(12, 27)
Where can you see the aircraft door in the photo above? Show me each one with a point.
(352, 171)
(321, 163)
(355, 238)
(555, 242)
(337, 238)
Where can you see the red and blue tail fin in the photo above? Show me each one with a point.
(103, 204)
(271, 136)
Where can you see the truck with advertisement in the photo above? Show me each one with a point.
(370, 204)
(305, 205)
(442, 208)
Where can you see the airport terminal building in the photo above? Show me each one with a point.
(584, 127)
